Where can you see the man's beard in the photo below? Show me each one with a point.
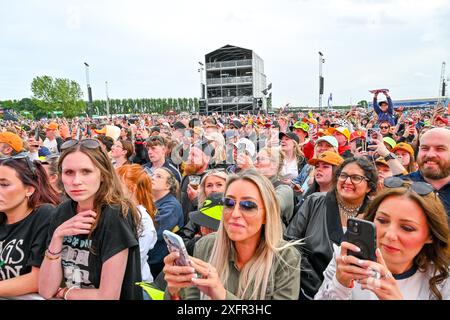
(192, 168)
(441, 173)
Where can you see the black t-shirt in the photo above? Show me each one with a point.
(22, 244)
(83, 258)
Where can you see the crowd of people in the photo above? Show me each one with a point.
(260, 201)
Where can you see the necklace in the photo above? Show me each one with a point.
(349, 212)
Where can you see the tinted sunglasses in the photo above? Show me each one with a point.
(421, 188)
(246, 207)
(21, 157)
(86, 143)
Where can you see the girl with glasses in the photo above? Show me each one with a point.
(246, 258)
(322, 218)
(413, 253)
(26, 208)
(99, 223)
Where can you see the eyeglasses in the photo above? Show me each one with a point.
(419, 187)
(21, 157)
(384, 127)
(247, 207)
(87, 143)
(354, 178)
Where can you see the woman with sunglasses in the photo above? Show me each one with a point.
(412, 253)
(322, 218)
(25, 214)
(93, 239)
(247, 257)
(212, 182)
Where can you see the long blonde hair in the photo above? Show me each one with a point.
(255, 274)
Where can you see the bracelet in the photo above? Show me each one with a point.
(48, 256)
(67, 292)
(54, 253)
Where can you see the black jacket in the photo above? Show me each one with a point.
(318, 222)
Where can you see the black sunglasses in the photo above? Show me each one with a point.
(419, 187)
(21, 157)
(86, 143)
(247, 207)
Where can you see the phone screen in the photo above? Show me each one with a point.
(175, 243)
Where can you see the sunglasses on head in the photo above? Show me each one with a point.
(419, 187)
(21, 157)
(86, 143)
(247, 207)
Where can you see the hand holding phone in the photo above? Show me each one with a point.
(362, 233)
(175, 243)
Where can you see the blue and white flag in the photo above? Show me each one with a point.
(330, 100)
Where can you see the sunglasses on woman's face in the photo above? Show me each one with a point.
(246, 207)
(419, 187)
(86, 143)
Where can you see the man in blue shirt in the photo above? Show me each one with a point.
(434, 163)
(384, 109)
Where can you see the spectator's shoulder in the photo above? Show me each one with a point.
(204, 246)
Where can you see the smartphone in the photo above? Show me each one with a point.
(175, 243)
(362, 233)
(241, 147)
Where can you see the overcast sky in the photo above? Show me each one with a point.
(151, 49)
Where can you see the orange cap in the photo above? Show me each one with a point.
(329, 157)
(52, 126)
(12, 139)
(404, 146)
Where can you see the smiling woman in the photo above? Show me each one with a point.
(322, 218)
(247, 258)
(413, 250)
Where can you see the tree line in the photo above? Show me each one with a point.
(58, 94)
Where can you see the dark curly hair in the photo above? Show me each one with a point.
(370, 172)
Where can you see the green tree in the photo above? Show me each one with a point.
(57, 94)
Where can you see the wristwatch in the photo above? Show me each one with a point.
(390, 156)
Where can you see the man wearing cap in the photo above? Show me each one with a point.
(10, 144)
(357, 142)
(384, 171)
(293, 160)
(156, 148)
(52, 141)
(207, 218)
(244, 151)
(384, 110)
(342, 135)
(440, 121)
(301, 129)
